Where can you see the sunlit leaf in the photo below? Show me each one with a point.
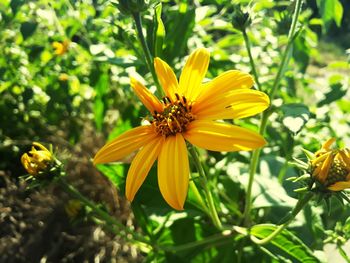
(287, 242)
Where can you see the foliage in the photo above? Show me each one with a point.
(45, 95)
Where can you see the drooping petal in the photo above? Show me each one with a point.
(125, 144)
(227, 81)
(141, 166)
(236, 104)
(147, 98)
(167, 78)
(326, 165)
(193, 73)
(173, 171)
(339, 186)
(345, 158)
(326, 146)
(217, 136)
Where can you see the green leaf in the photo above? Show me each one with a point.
(336, 93)
(182, 26)
(27, 29)
(99, 107)
(159, 31)
(15, 4)
(330, 10)
(295, 116)
(285, 241)
(115, 173)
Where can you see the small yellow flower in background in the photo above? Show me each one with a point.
(60, 48)
(331, 167)
(73, 207)
(63, 77)
(37, 160)
(187, 113)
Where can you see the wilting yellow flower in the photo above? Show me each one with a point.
(187, 113)
(60, 48)
(331, 167)
(37, 160)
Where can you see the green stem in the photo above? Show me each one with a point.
(251, 60)
(101, 214)
(266, 114)
(299, 206)
(204, 183)
(253, 167)
(146, 51)
(214, 239)
(285, 57)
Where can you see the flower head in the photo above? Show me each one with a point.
(189, 112)
(331, 167)
(60, 48)
(37, 160)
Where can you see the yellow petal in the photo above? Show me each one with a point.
(339, 186)
(232, 105)
(173, 171)
(217, 136)
(167, 78)
(125, 144)
(141, 166)
(227, 81)
(193, 73)
(345, 158)
(323, 174)
(147, 98)
(320, 158)
(326, 146)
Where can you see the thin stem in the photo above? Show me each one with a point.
(214, 239)
(146, 51)
(299, 206)
(204, 183)
(285, 57)
(266, 114)
(101, 213)
(251, 60)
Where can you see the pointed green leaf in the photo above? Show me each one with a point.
(287, 242)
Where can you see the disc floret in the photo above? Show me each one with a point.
(175, 117)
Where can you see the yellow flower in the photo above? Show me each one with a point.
(332, 167)
(187, 113)
(37, 160)
(60, 48)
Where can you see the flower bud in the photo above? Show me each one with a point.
(131, 6)
(240, 20)
(60, 48)
(38, 160)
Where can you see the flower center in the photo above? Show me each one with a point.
(337, 172)
(175, 117)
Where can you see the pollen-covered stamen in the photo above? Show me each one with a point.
(175, 117)
(337, 173)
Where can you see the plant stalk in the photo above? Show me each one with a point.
(266, 114)
(146, 51)
(251, 60)
(204, 183)
(101, 214)
(299, 206)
